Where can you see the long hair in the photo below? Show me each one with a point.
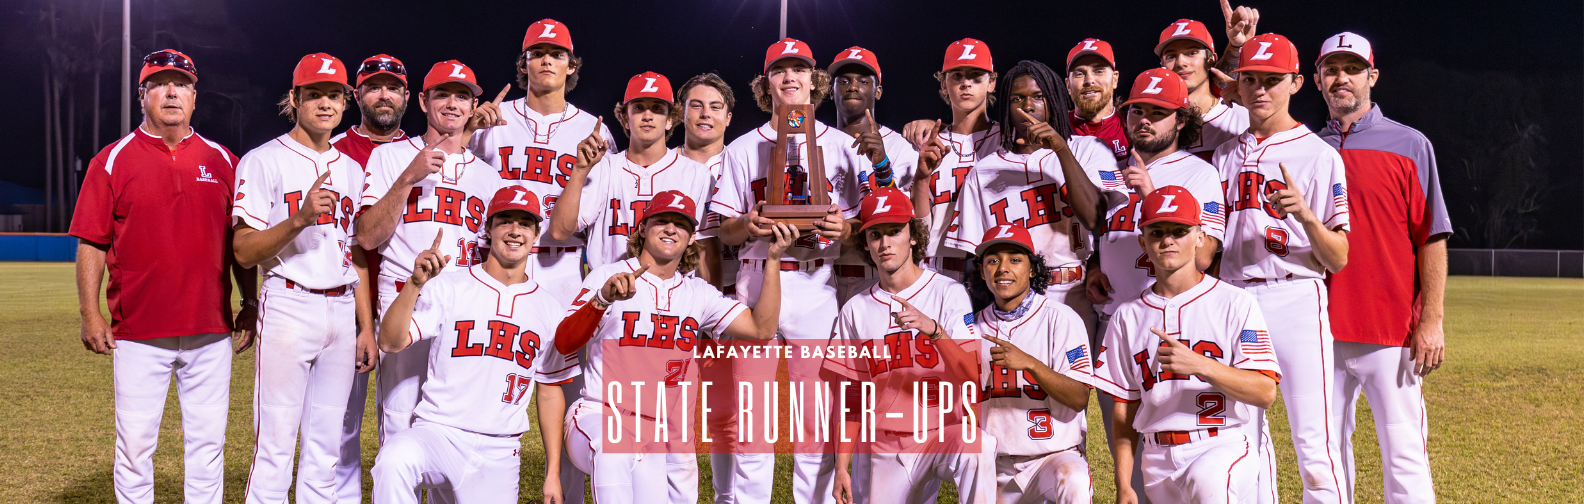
(1188, 136)
(574, 67)
(820, 80)
(979, 292)
(1056, 100)
(916, 230)
(690, 257)
(288, 104)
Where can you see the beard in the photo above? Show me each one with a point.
(1088, 109)
(1347, 105)
(383, 121)
(1161, 142)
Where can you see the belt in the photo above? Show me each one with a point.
(1174, 438)
(553, 250)
(1066, 275)
(956, 264)
(806, 266)
(852, 271)
(333, 291)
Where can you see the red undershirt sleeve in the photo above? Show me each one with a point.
(577, 329)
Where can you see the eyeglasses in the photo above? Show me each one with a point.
(373, 67)
(170, 59)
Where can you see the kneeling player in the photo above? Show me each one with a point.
(1037, 376)
(464, 442)
(1190, 364)
(650, 297)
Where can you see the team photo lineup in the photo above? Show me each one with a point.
(1170, 246)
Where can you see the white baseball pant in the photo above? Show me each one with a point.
(451, 464)
(302, 377)
(142, 371)
(1209, 470)
(349, 469)
(914, 477)
(1061, 477)
(1385, 375)
(619, 478)
(559, 271)
(1106, 403)
(400, 375)
(1300, 331)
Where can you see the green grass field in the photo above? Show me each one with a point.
(1503, 418)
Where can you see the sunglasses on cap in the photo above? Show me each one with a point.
(170, 59)
(373, 67)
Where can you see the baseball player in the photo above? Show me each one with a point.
(1387, 320)
(1286, 229)
(967, 79)
(632, 300)
(1036, 377)
(178, 322)
(295, 200)
(1190, 363)
(381, 95)
(1025, 182)
(1092, 79)
(855, 76)
(493, 323)
(610, 193)
(416, 188)
(906, 305)
(789, 77)
(1187, 48)
(707, 102)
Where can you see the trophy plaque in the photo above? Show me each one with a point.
(792, 171)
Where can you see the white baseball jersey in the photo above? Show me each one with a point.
(493, 341)
(966, 152)
(1121, 258)
(1259, 244)
(1025, 419)
(619, 190)
(1213, 318)
(710, 228)
(1030, 190)
(666, 319)
(453, 200)
(1223, 123)
(272, 182)
(745, 175)
(904, 162)
(866, 321)
(538, 151)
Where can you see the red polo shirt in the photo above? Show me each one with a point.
(358, 146)
(1109, 130)
(166, 216)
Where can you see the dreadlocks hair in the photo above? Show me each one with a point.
(711, 80)
(820, 79)
(1039, 278)
(673, 112)
(690, 257)
(1057, 103)
(574, 67)
(916, 230)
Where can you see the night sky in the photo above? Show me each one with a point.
(245, 51)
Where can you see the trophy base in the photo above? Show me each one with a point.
(802, 216)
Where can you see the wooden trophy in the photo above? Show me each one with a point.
(785, 160)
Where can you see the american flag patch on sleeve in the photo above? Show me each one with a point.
(1339, 197)
(1212, 213)
(1252, 342)
(1111, 179)
(1078, 359)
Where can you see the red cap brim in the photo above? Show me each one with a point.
(980, 250)
(884, 219)
(1154, 101)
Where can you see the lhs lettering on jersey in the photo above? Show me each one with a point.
(1005, 383)
(502, 340)
(448, 209)
(667, 331)
(620, 218)
(340, 212)
(906, 349)
(1253, 192)
(1123, 219)
(1144, 361)
(1040, 204)
(539, 165)
(959, 175)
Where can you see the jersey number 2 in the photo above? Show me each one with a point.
(1211, 405)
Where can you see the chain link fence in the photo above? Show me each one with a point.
(1516, 263)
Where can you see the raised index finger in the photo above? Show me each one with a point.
(640, 271)
(873, 128)
(1226, 11)
(502, 95)
(1163, 337)
(320, 182)
(1286, 177)
(597, 123)
(1024, 115)
(438, 237)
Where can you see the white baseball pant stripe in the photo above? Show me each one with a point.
(1258, 432)
(141, 372)
(451, 464)
(1385, 375)
(1217, 470)
(302, 377)
(1061, 477)
(1300, 331)
(619, 478)
(400, 376)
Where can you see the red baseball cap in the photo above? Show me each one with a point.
(1171, 204)
(1096, 47)
(319, 67)
(968, 53)
(514, 197)
(788, 48)
(1185, 29)
(857, 56)
(648, 85)
(886, 205)
(671, 201)
(169, 59)
(1159, 87)
(1006, 233)
(382, 64)
(547, 31)
(1347, 42)
(451, 71)
(1268, 52)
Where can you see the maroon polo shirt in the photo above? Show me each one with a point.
(166, 216)
(358, 146)
(1110, 130)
